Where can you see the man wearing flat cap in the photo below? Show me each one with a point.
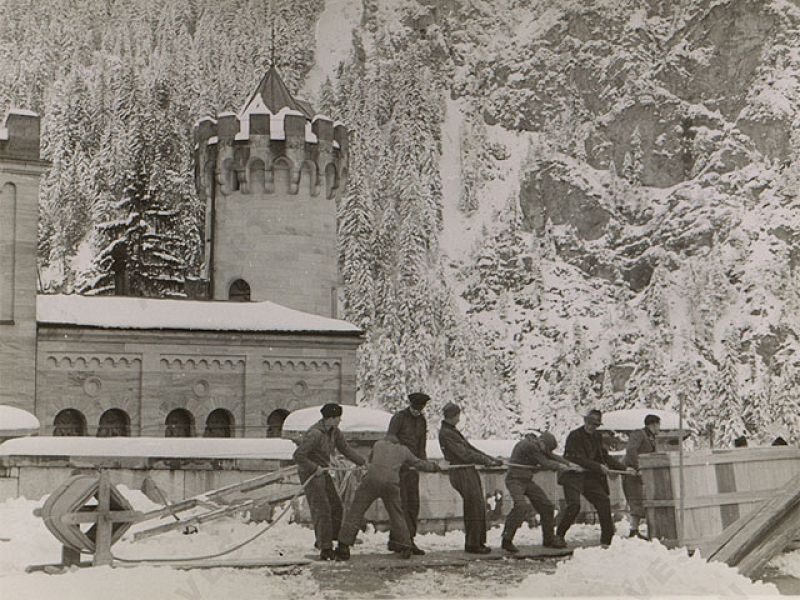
(465, 479)
(411, 429)
(584, 447)
(312, 456)
(532, 453)
(641, 441)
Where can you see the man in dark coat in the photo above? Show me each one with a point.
(382, 480)
(411, 428)
(537, 454)
(641, 441)
(465, 479)
(312, 456)
(584, 447)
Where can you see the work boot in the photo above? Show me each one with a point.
(509, 546)
(405, 553)
(417, 551)
(477, 549)
(556, 542)
(327, 554)
(393, 546)
(342, 552)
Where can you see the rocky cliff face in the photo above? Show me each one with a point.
(659, 194)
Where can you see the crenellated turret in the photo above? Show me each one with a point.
(270, 176)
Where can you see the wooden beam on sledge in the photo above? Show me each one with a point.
(751, 541)
(218, 513)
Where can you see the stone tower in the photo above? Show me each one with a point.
(20, 170)
(270, 178)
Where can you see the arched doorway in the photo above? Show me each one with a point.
(275, 422)
(69, 422)
(239, 291)
(220, 423)
(114, 423)
(179, 423)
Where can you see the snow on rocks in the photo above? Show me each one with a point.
(16, 422)
(266, 448)
(354, 418)
(338, 19)
(634, 567)
(117, 312)
(788, 564)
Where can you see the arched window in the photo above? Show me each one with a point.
(69, 422)
(179, 423)
(275, 422)
(239, 291)
(114, 423)
(257, 175)
(219, 424)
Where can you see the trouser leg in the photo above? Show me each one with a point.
(364, 497)
(319, 505)
(409, 500)
(544, 507)
(521, 510)
(467, 483)
(398, 523)
(572, 495)
(337, 510)
(598, 498)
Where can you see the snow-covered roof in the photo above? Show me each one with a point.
(154, 447)
(119, 312)
(273, 94)
(17, 422)
(630, 419)
(354, 418)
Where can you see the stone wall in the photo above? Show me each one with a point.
(283, 245)
(150, 373)
(20, 169)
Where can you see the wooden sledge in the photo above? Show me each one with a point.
(750, 542)
(232, 498)
(440, 558)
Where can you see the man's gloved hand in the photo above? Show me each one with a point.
(497, 462)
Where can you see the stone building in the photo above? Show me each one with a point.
(259, 337)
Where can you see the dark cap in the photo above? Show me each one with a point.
(595, 415)
(418, 399)
(650, 419)
(451, 410)
(331, 410)
(548, 441)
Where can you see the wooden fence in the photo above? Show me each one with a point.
(720, 486)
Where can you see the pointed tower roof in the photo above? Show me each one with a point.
(275, 95)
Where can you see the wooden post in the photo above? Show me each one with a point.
(102, 540)
(682, 491)
(70, 556)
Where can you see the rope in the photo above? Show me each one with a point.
(233, 548)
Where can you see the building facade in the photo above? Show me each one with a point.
(260, 337)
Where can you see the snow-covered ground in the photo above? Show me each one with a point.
(628, 568)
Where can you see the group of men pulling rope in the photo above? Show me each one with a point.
(392, 474)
